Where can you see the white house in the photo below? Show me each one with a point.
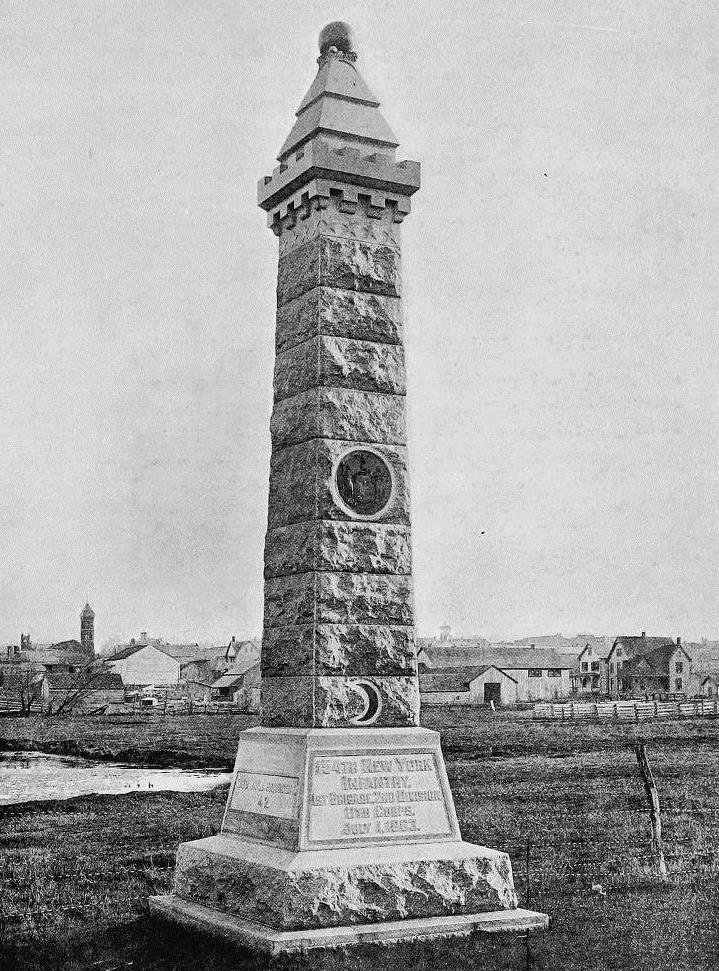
(591, 675)
(144, 664)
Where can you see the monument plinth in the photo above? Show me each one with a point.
(340, 824)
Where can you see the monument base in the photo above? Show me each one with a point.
(331, 836)
(259, 937)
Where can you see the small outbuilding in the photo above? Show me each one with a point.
(240, 686)
(467, 686)
(85, 690)
(710, 686)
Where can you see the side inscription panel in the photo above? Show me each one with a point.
(268, 795)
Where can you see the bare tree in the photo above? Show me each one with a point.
(84, 684)
(23, 685)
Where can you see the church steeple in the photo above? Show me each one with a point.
(87, 629)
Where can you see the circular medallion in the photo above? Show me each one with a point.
(364, 482)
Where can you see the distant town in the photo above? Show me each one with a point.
(149, 672)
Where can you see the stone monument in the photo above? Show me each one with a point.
(340, 824)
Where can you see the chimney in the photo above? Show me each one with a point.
(644, 635)
(679, 642)
(143, 635)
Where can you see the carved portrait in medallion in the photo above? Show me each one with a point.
(364, 482)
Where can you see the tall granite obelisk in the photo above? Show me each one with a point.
(340, 823)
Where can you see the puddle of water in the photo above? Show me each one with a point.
(26, 776)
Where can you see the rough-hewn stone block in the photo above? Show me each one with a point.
(339, 701)
(338, 598)
(301, 478)
(355, 264)
(336, 261)
(343, 649)
(287, 701)
(327, 545)
(338, 649)
(336, 362)
(338, 313)
(288, 651)
(360, 416)
(297, 891)
(335, 702)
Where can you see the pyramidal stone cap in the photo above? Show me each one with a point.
(339, 136)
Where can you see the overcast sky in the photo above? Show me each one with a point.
(560, 305)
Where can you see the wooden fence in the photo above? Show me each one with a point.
(628, 711)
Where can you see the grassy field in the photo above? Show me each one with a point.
(75, 874)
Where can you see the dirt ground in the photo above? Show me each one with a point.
(565, 801)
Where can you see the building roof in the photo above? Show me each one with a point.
(103, 681)
(246, 645)
(705, 657)
(228, 681)
(236, 675)
(131, 649)
(654, 663)
(455, 679)
(71, 645)
(192, 652)
(87, 611)
(504, 658)
(600, 650)
(51, 657)
(201, 655)
(640, 645)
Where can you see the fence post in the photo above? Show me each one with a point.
(655, 813)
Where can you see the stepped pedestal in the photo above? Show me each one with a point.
(344, 836)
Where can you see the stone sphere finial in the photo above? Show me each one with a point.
(337, 34)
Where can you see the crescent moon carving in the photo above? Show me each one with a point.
(372, 703)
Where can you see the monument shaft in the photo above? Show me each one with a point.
(340, 823)
(338, 646)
